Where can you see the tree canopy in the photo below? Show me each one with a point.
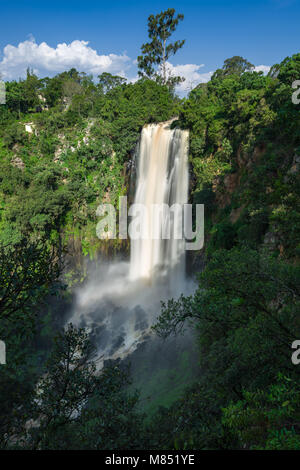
(157, 52)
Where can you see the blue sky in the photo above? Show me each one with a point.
(263, 31)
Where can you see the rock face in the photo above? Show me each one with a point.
(231, 181)
(294, 168)
(224, 192)
(224, 188)
(295, 165)
(18, 162)
(246, 160)
(43, 104)
(65, 145)
(270, 240)
(235, 214)
(29, 127)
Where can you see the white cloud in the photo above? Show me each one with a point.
(262, 68)
(47, 60)
(44, 59)
(191, 74)
(193, 77)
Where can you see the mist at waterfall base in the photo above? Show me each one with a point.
(121, 300)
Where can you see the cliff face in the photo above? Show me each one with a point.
(244, 154)
(224, 187)
(258, 203)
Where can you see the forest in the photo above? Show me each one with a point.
(67, 144)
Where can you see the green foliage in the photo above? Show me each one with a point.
(28, 273)
(267, 419)
(72, 407)
(192, 422)
(108, 81)
(76, 156)
(234, 66)
(15, 134)
(244, 155)
(75, 407)
(244, 124)
(245, 311)
(223, 236)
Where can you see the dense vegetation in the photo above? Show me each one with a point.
(245, 136)
(245, 161)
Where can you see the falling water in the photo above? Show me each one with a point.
(162, 178)
(122, 299)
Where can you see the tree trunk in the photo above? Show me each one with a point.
(164, 61)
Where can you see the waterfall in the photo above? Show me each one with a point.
(162, 179)
(121, 300)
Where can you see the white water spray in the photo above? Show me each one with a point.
(121, 301)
